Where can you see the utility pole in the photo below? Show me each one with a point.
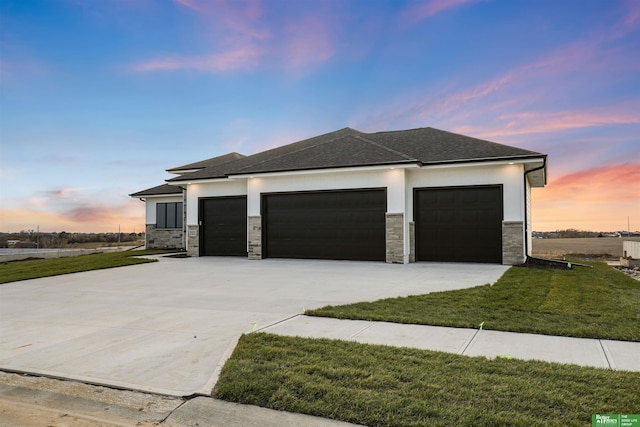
(38, 238)
(118, 234)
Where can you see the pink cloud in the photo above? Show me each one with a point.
(556, 121)
(596, 199)
(59, 193)
(189, 4)
(307, 43)
(609, 183)
(246, 40)
(241, 58)
(632, 18)
(423, 10)
(88, 218)
(241, 17)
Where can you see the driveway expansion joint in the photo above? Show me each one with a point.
(608, 357)
(354, 335)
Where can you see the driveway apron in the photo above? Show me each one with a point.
(168, 327)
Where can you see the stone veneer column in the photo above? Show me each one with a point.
(412, 241)
(512, 242)
(255, 237)
(193, 247)
(395, 238)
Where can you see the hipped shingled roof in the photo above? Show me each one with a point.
(160, 190)
(348, 148)
(212, 162)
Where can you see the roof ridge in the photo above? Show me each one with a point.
(294, 151)
(391, 150)
(400, 130)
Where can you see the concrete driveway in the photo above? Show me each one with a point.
(168, 327)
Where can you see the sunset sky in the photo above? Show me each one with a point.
(98, 98)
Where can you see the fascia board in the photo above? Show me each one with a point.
(181, 171)
(459, 164)
(328, 170)
(152, 196)
(200, 181)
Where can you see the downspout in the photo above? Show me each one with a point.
(526, 225)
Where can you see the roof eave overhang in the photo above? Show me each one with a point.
(183, 171)
(403, 165)
(185, 181)
(538, 158)
(145, 196)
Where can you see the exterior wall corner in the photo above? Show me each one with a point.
(255, 237)
(395, 238)
(412, 241)
(193, 239)
(513, 243)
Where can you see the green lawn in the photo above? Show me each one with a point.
(598, 302)
(386, 386)
(32, 269)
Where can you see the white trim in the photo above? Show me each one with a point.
(182, 171)
(201, 181)
(159, 195)
(328, 170)
(482, 163)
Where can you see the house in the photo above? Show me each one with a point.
(400, 196)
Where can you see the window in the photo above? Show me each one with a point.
(169, 215)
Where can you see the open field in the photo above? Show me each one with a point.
(555, 248)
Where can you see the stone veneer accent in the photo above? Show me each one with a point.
(193, 245)
(412, 241)
(395, 237)
(255, 237)
(512, 242)
(164, 238)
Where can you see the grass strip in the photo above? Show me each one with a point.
(386, 386)
(32, 269)
(598, 302)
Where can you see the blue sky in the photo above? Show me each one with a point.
(98, 98)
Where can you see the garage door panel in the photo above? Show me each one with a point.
(325, 225)
(224, 226)
(461, 224)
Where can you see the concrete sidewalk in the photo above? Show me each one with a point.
(608, 354)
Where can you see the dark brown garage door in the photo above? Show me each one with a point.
(223, 229)
(347, 225)
(462, 224)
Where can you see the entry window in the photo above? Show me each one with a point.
(169, 215)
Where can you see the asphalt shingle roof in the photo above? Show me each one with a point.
(348, 147)
(158, 191)
(212, 162)
(430, 145)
